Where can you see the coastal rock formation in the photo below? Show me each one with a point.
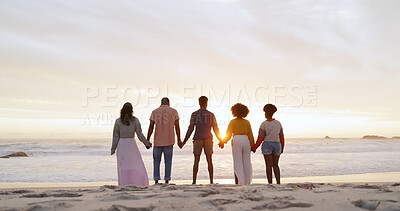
(396, 137)
(16, 154)
(327, 137)
(373, 137)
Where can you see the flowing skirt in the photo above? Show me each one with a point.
(241, 159)
(131, 169)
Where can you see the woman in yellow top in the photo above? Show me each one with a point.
(242, 142)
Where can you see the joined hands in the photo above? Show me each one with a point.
(221, 144)
(181, 144)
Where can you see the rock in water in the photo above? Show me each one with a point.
(16, 154)
(373, 137)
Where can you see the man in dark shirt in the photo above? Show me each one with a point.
(203, 120)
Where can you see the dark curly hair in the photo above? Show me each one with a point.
(270, 109)
(239, 110)
(126, 113)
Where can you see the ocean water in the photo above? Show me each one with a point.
(84, 160)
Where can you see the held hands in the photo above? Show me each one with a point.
(149, 146)
(253, 150)
(112, 152)
(181, 144)
(221, 145)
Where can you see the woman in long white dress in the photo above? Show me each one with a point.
(131, 169)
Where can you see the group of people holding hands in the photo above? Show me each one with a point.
(165, 121)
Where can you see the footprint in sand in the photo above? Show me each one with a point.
(53, 202)
(124, 208)
(281, 205)
(252, 197)
(218, 202)
(204, 192)
(367, 204)
(387, 205)
(44, 195)
(14, 192)
(51, 207)
(120, 196)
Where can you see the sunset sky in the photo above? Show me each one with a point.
(67, 67)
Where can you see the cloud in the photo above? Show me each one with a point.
(49, 51)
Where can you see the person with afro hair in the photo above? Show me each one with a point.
(242, 142)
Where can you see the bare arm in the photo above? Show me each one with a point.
(216, 129)
(150, 131)
(282, 139)
(228, 134)
(190, 128)
(250, 135)
(260, 139)
(177, 130)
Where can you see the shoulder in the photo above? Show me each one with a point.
(172, 109)
(278, 122)
(210, 113)
(118, 120)
(135, 120)
(154, 112)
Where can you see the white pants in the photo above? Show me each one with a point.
(241, 159)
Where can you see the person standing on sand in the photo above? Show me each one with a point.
(273, 142)
(131, 169)
(165, 119)
(203, 120)
(242, 142)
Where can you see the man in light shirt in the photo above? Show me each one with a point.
(166, 119)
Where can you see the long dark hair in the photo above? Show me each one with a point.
(126, 113)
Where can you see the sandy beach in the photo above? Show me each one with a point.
(351, 195)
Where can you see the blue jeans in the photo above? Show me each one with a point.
(157, 151)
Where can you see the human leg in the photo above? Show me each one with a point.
(275, 166)
(268, 167)
(210, 167)
(195, 167)
(168, 151)
(238, 159)
(247, 167)
(208, 150)
(156, 163)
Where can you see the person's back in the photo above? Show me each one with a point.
(202, 120)
(164, 118)
(273, 142)
(122, 130)
(130, 166)
(272, 130)
(242, 142)
(239, 126)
